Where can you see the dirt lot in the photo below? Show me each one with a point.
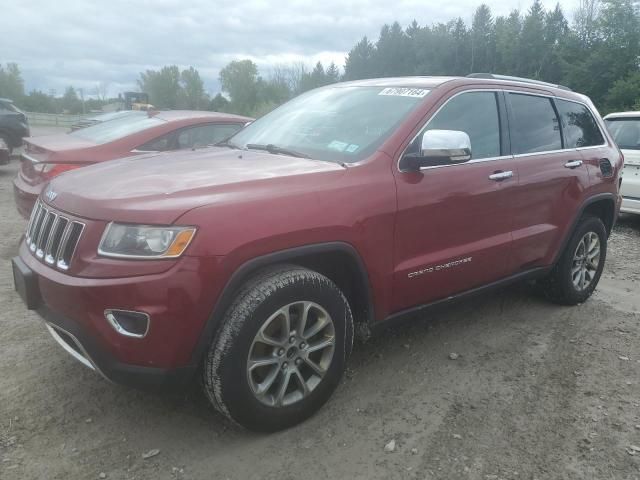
(538, 392)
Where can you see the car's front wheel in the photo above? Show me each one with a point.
(281, 349)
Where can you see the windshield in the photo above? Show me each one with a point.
(340, 124)
(625, 132)
(116, 129)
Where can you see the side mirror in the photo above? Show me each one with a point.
(439, 147)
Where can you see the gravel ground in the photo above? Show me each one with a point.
(537, 392)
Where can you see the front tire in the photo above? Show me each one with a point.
(281, 349)
(577, 273)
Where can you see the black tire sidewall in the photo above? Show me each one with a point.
(237, 396)
(588, 224)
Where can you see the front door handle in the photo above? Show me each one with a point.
(573, 164)
(499, 176)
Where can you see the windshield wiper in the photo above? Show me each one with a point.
(271, 148)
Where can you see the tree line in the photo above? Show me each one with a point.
(597, 54)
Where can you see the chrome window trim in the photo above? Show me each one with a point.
(502, 157)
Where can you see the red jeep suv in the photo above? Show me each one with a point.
(250, 263)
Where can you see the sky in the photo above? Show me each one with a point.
(58, 43)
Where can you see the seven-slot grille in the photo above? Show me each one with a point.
(52, 237)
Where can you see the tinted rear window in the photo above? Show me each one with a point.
(578, 125)
(625, 132)
(535, 126)
(116, 129)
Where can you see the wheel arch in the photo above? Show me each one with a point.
(339, 261)
(603, 206)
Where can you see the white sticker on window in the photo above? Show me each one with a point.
(339, 146)
(352, 148)
(404, 92)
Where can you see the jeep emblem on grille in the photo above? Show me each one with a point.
(51, 195)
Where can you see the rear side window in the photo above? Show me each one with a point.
(534, 124)
(161, 144)
(476, 114)
(625, 132)
(204, 135)
(578, 125)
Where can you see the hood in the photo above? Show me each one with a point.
(160, 188)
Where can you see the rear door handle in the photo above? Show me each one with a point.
(499, 176)
(573, 164)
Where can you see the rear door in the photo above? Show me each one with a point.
(552, 180)
(453, 226)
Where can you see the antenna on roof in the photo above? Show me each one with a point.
(517, 79)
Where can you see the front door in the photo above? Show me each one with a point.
(453, 226)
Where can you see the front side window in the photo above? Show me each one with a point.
(578, 125)
(625, 132)
(534, 124)
(476, 114)
(339, 124)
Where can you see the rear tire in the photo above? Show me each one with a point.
(281, 349)
(575, 277)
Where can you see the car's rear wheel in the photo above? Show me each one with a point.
(281, 349)
(576, 275)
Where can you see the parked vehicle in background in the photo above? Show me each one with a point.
(14, 125)
(625, 129)
(104, 117)
(353, 204)
(48, 156)
(4, 153)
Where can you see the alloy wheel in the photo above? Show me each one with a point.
(586, 261)
(291, 353)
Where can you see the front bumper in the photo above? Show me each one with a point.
(73, 310)
(87, 351)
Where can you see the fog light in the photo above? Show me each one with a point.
(128, 323)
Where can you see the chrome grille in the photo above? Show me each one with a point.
(52, 237)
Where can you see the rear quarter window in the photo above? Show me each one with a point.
(578, 125)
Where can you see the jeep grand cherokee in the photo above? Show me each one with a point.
(250, 263)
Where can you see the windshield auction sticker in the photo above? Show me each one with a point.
(404, 92)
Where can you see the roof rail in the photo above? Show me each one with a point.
(517, 79)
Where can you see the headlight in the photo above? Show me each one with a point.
(144, 241)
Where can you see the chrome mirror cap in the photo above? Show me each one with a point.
(451, 145)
